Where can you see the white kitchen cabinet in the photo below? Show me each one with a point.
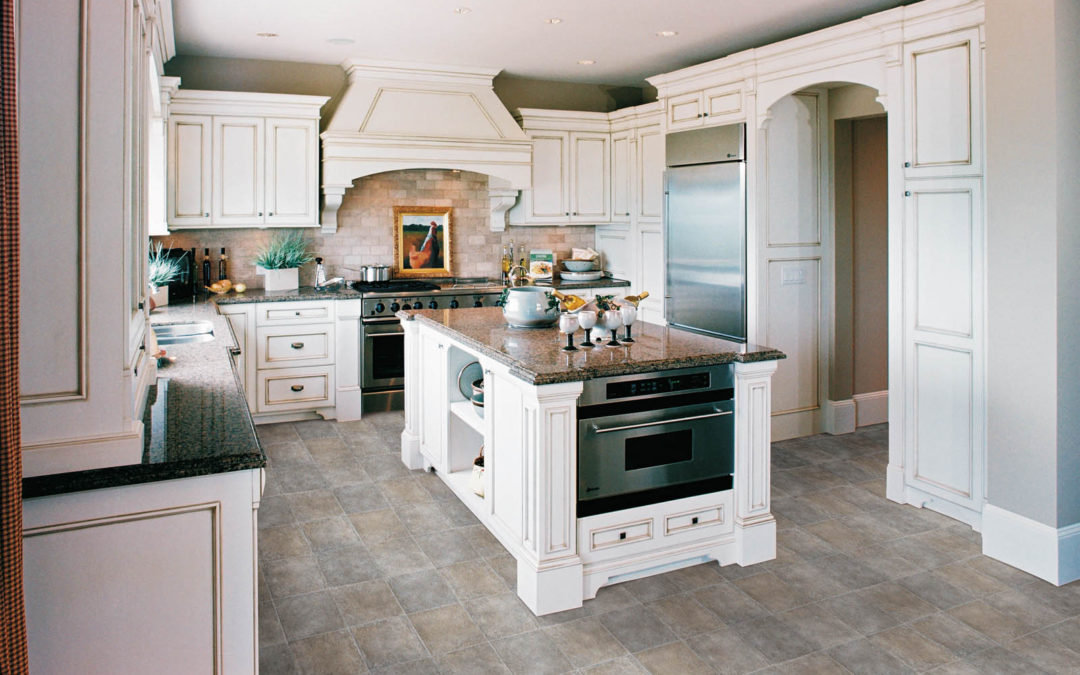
(188, 171)
(943, 125)
(237, 192)
(243, 160)
(715, 105)
(622, 175)
(292, 171)
(571, 169)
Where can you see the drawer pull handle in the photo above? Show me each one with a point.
(622, 535)
(298, 345)
(693, 521)
(297, 313)
(297, 387)
(606, 430)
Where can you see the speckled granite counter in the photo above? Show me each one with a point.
(302, 293)
(562, 285)
(535, 354)
(196, 421)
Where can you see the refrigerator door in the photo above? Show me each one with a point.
(706, 249)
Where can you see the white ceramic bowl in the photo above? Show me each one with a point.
(530, 307)
(579, 265)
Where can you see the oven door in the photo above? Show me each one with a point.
(657, 452)
(384, 354)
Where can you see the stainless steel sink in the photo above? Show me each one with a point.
(183, 333)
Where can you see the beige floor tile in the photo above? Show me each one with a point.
(674, 658)
(685, 616)
(366, 602)
(533, 653)
(1047, 654)
(388, 642)
(328, 654)
(472, 579)
(770, 592)
(914, 648)
(585, 642)
(990, 622)
(328, 533)
(446, 629)
(471, 660)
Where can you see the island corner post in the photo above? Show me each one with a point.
(529, 433)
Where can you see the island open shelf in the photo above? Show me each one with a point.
(529, 434)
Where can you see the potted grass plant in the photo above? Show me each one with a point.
(161, 269)
(281, 259)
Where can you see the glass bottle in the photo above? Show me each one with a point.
(506, 265)
(223, 266)
(206, 268)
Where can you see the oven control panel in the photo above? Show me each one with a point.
(389, 306)
(657, 385)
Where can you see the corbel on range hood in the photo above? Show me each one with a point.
(396, 116)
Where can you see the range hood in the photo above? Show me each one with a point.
(396, 116)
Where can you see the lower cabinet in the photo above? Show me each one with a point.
(150, 578)
(298, 357)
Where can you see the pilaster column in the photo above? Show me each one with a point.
(755, 527)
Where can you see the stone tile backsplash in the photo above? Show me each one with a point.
(365, 229)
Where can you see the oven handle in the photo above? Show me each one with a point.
(606, 430)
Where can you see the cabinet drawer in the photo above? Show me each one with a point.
(278, 313)
(621, 534)
(295, 388)
(287, 346)
(677, 523)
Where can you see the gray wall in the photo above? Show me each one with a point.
(1033, 311)
(284, 77)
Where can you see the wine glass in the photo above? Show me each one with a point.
(612, 321)
(587, 319)
(629, 314)
(568, 323)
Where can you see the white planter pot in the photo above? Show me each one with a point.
(160, 295)
(282, 280)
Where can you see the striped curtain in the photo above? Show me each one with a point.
(13, 659)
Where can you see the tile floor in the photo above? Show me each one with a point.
(366, 566)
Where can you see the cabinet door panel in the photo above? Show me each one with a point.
(684, 111)
(943, 122)
(188, 191)
(292, 172)
(591, 178)
(650, 172)
(238, 171)
(549, 181)
(621, 162)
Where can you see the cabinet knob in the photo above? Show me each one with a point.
(575, 213)
(298, 345)
(271, 214)
(907, 193)
(622, 535)
(907, 165)
(260, 214)
(705, 114)
(206, 215)
(297, 313)
(297, 387)
(567, 213)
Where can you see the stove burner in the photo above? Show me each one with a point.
(394, 285)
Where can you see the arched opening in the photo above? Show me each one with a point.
(822, 274)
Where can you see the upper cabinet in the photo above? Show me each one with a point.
(243, 160)
(622, 182)
(715, 105)
(942, 81)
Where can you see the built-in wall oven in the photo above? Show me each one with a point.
(649, 438)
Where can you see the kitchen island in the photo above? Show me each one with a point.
(529, 430)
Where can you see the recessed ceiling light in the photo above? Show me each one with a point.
(266, 35)
(341, 41)
(667, 33)
(462, 10)
(586, 62)
(553, 20)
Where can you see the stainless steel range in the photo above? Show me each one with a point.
(382, 340)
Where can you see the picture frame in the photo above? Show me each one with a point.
(422, 241)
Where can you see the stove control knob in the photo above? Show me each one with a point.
(379, 308)
(417, 305)
(394, 307)
(478, 303)
(433, 305)
(454, 304)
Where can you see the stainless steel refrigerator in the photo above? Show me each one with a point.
(705, 218)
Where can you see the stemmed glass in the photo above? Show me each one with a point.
(628, 313)
(568, 323)
(612, 321)
(587, 319)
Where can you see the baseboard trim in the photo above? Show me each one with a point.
(871, 408)
(840, 417)
(1050, 553)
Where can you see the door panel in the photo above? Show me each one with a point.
(292, 178)
(188, 182)
(238, 171)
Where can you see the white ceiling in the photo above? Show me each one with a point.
(620, 35)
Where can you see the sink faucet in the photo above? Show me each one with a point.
(519, 276)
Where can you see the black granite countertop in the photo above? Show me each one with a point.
(535, 354)
(336, 292)
(196, 422)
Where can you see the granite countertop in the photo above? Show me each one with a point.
(535, 354)
(337, 292)
(196, 421)
(605, 282)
